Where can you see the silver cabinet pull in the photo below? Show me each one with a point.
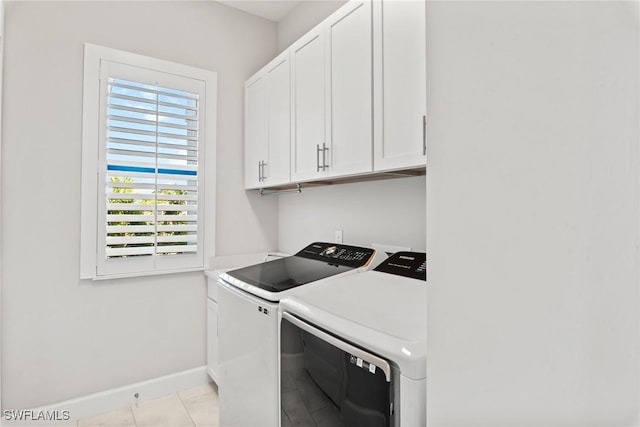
(324, 150)
(324, 156)
(424, 135)
(264, 175)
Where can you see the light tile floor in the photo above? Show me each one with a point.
(196, 407)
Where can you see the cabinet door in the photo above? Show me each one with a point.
(308, 105)
(400, 64)
(212, 339)
(278, 101)
(255, 131)
(349, 98)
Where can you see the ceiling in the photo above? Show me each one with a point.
(273, 10)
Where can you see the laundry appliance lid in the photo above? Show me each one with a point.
(317, 261)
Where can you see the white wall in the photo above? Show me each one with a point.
(63, 337)
(306, 15)
(532, 214)
(390, 211)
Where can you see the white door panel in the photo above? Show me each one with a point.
(308, 104)
(401, 84)
(278, 98)
(255, 131)
(349, 96)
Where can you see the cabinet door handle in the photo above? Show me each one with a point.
(318, 158)
(324, 156)
(264, 175)
(424, 135)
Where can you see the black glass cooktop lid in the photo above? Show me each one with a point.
(316, 261)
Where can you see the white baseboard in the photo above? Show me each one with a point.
(109, 400)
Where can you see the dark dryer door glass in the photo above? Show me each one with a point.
(355, 385)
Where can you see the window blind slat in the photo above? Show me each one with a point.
(189, 115)
(128, 206)
(136, 153)
(177, 249)
(131, 240)
(152, 122)
(131, 131)
(182, 157)
(128, 217)
(183, 218)
(152, 102)
(114, 229)
(131, 185)
(187, 238)
(152, 90)
(175, 197)
(177, 228)
(181, 145)
(133, 196)
(122, 252)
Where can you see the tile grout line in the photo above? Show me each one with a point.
(133, 415)
(186, 410)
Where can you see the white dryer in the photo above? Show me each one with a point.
(361, 356)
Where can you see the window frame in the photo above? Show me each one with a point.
(96, 60)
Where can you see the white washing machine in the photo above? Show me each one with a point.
(360, 355)
(248, 355)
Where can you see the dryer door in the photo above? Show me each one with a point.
(338, 382)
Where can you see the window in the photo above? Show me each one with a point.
(149, 131)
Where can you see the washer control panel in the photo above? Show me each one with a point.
(406, 264)
(339, 254)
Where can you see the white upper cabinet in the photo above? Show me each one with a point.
(255, 130)
(308, 106)
(276, 171)
(267, 125)
(400, 84)
(346, 99)
(348, 83)
(331, 96)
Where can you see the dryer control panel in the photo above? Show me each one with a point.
(338, 254)
(406, 264)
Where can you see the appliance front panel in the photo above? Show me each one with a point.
(248, 359)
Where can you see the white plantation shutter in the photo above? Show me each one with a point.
(151, 170)
(150, 167)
